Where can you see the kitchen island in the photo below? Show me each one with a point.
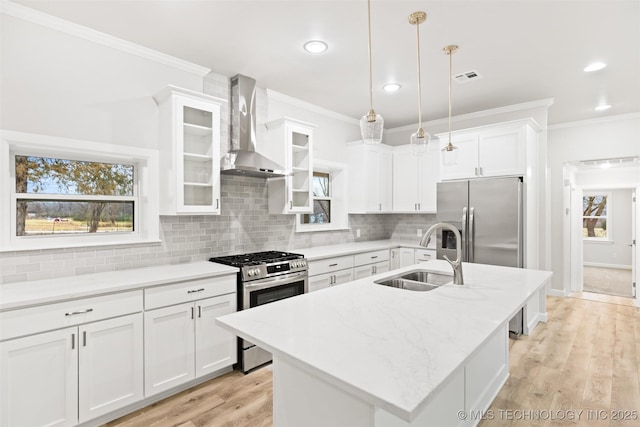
(363, 354)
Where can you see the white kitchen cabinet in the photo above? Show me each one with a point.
(189, 142)
(424, 255)
(415, 179)
(370, 178)
(39, 385)
(83, 359)
(369, 270)
(321, 281)
(495, 150)
(182, 341)
(407, 257)
(110, 365)
(394, 258)
(293, 193)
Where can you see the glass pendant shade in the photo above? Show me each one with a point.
(450, 155)
(419, 141)
(371, 130)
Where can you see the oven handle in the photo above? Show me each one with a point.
(271, 281)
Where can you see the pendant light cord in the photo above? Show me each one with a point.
(370, 61)
(450, 78)
(419, 84)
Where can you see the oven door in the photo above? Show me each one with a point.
(271, 289)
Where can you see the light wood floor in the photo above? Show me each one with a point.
(586, 357)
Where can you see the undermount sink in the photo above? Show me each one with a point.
(417, 280)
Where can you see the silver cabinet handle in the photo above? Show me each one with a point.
(471, 235)
(379, 206)
(73, 341)
(195, 290)
(419, 206)
(200, 311)
(332, 265)
(481, 171)
(73, 313)
(217, 203)
(84, 338)
(290, 204)
(192, 312)
(374, 257)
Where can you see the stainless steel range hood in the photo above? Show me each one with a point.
(242, 158)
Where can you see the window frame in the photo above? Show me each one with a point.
(329, 198)
(145, 191)
(608, 217)
(338, 176)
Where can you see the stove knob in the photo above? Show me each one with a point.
(255, 271)
(295, 264)
(250, 272)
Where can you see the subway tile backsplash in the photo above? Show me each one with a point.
(245, 225)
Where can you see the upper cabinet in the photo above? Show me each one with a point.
(495, 150)
(415, 179)
(370, 177)
(293, 193)
(189, 141)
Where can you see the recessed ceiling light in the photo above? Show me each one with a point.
(391, 87)
(602, 107)
(594, 67)
(315, 46)
(606, 165)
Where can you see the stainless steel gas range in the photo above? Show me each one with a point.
(264, 277)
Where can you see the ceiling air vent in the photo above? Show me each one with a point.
(467, 76)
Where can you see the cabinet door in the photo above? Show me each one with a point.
(406, 257)
(110, 365)
(300, 184)
(381, 267)
(467, 157)
(39, 380)
(405, 180)
(215, 346)
(168, 347)
(502, 152)
(342, 276)
(424, 255)
(394, 262)
(428, 177)
(320, 281)
(385, 180)
(362, 271)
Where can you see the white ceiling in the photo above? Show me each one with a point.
(525, 50)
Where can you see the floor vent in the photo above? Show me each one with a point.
(467, 76)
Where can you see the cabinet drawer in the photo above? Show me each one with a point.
(371, 257)
(32, 320)
(423, 255)
(177, 293)
(328, 265)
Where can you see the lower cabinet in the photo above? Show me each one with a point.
(406, 256)
(72, 375)
(371, 269)
(322, 281)
(424, 255)
(182, 342)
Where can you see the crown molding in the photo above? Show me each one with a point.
(594, 121)
(546, 102)
(272, 94)
(36, 17)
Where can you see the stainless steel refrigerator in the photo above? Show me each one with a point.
(488, 212)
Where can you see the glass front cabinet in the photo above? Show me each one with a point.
(189, 135)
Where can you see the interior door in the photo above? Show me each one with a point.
(634, 236)
(495, 237)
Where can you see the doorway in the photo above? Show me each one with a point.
(601, 227)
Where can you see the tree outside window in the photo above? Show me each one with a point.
(321, 200)
(594, 217)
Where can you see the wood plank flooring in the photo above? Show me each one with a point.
(586, 358)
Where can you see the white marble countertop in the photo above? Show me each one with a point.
(24, 294)
(391, 347)
(321, 252)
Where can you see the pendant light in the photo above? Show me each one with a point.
(420, 138)
(450, 151)
(371, 124)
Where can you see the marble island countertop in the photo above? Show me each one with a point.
(391, 347)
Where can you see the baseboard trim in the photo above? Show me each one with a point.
(557, 292)
(601, 265)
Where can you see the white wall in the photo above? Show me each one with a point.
(612, 137)
(616, 252)
(55, 83)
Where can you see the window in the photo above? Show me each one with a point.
(595, 215)
(329, 199)
(68, 193)
(62, 196)
(321, 200)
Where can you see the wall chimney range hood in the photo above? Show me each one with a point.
(242, 158)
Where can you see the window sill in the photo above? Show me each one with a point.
(314, 229)
(42, 246)
(598, 241)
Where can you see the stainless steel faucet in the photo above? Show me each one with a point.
(457, 264)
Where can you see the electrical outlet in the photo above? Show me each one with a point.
(419, 233)
(358, 232)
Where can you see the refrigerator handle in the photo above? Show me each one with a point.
(471, 235)
(465, 241)
(520, 246)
